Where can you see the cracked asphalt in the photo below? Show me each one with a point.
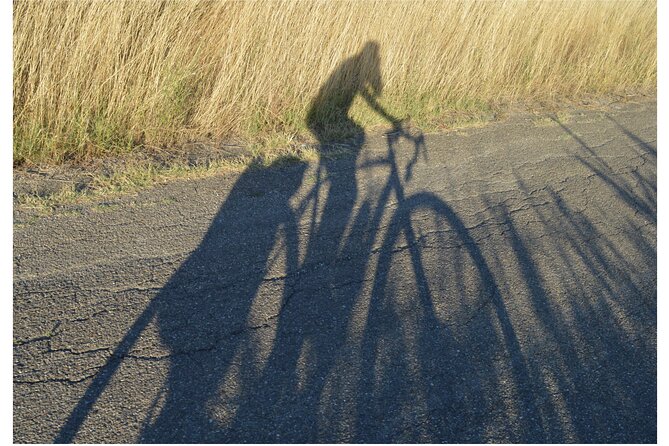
(497, 285)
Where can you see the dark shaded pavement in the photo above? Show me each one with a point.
(496, 284)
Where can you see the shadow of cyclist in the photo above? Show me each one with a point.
(311, 334)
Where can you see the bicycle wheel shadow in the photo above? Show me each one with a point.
(355, 315)
(205, 308)
(433, 367)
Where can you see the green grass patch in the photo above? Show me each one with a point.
(135, 176)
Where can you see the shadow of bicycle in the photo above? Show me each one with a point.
(324, 311)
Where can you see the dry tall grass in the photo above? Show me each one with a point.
(93, 77)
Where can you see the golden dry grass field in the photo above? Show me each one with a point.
(93, 78)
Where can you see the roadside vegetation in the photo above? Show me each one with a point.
(94, 79)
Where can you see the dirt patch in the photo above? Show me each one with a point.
(50, 180)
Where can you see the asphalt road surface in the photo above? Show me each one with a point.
(492, 285)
